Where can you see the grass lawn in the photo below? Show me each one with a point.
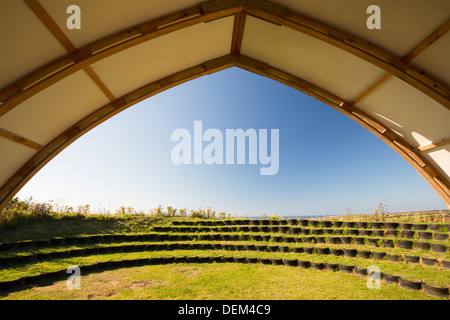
(224, 281)
(216, 281)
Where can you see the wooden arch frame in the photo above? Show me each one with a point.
(38, 161)
(76, 60)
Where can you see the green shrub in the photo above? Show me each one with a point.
(18, 212)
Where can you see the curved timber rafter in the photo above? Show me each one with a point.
(24, 88)
(42, 157)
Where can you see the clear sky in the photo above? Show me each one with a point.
(327, 162)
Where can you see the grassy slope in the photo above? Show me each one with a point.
(64, 225)
(219, 281)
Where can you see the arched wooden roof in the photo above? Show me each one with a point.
(60, 83)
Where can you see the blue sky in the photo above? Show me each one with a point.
(328, 163)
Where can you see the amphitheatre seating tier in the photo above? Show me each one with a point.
(321, 245)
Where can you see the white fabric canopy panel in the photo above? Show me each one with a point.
(102, 18)
(57, 84)
(405, 23)
(44, 116)
(155, 59)
(308, 58)
(29, 43)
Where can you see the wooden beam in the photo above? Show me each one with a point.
(19, 139)
(28, 170)
(428, 41)
(371, 88)
(433, 145)
(51, 24)
(238, 33)
(100, 83)
(424, 44)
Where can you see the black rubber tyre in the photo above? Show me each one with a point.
(290, 262)
(412, 259)
(250, 247)
(334, 240)
(394, 257)
(391, 225)
(227, 259)
(337, 252)
(298, 250)
(392, 233)
(350, 252)
(423, 235)
(240, 259)
(388, 243)
(391, 278)
(313, 223)
(317, 265)
(277, 262)
(353, 232)
(377, 225)
(326, 224)
(378, 233)
(338, 224)
(332, 266)
(423, 245)
(251, 260)
(362, 272)
(379, 255)
(420, 227)
(429, 261)
(435, 227)
(364, 254)
(346, 268)
(441, 236)
(436, 291)
(361, 224)
(309, 239)
(289, 239)
(303, 264)
(261, 248)
(349, 224)
(405, 244)
(10, 285)
(303, 222)
(411, 285)
(439, 248)
(265, 261)
(405, 226)
(192, 259)
(323, 251)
